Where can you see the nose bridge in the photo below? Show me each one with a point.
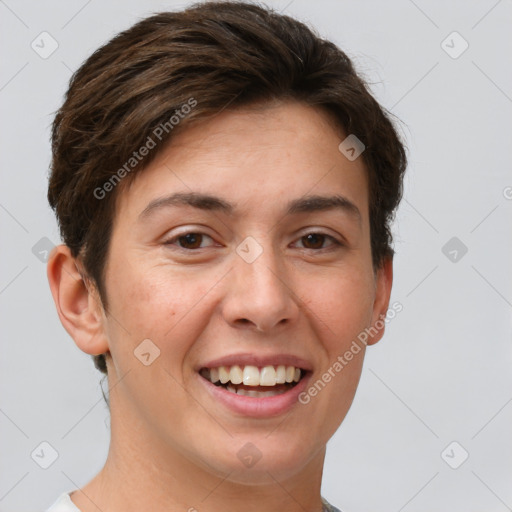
(260, 294)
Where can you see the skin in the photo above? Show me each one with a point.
(172, 447)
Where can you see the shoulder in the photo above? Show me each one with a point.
(63, 504)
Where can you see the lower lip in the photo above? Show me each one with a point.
(253, 407)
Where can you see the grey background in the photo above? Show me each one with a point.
(442, 373)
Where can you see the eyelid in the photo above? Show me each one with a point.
(317, 231)
(171, 240)
(321, 232)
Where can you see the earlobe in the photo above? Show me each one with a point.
(383, 284)
(77, 304)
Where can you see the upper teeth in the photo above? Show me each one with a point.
(254, 376)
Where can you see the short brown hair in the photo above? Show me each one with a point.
(221, 55)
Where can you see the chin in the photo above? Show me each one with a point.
(259, 461)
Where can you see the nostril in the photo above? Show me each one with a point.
(241, 321)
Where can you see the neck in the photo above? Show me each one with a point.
(140, 474)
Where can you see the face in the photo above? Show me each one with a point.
(242, 249)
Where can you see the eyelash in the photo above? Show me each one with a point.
(334, 241)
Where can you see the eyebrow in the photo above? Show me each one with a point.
(307, 204)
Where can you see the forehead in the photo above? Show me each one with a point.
(257, 156)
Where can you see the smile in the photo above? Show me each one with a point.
(252, 381)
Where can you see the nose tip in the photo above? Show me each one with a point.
(259, 296)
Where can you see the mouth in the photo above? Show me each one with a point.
(253, 381)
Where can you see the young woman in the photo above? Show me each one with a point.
(224, 184)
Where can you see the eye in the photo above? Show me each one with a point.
(189, 241)
(193, 240)
(316, 240)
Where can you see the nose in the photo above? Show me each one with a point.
(259, 295)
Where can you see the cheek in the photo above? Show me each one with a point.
(156, 304)
(342, 303)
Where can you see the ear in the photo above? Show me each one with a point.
(78, 303)
(383, 284)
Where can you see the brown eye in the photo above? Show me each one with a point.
(313, 240)
(190, 240)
